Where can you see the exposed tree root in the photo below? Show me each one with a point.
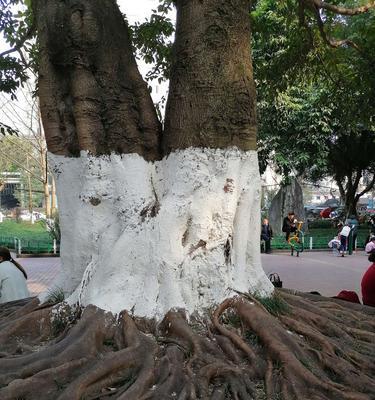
(288, 348)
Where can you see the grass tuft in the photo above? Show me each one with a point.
(274, 304)
(55, 295)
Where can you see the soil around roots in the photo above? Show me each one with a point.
(290, 346)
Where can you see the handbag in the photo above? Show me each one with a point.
(275, 280)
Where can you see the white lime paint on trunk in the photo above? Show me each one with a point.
(149, 236)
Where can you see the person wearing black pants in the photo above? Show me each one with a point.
(266, 235)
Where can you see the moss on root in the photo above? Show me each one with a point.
(286, 347)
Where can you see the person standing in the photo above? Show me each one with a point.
(352, 221)
(344, 238)
(12, 278)
(289, 224)
(266, 235)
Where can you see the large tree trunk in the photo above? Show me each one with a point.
(151, 222)
(351, 204)
(146, 233)
(288, 198)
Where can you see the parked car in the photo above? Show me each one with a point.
(322, 210)
(26, 215)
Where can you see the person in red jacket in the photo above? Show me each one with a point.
(368, 283)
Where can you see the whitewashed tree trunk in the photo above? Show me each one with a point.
(149, 236)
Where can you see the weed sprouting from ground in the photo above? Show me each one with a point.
(274, 304)
(55, 295)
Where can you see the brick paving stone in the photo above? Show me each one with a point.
(41, 272)
(320, 271)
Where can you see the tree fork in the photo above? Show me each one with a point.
(146, 229)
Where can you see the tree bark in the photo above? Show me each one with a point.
(92, 96)
(211, 100)
(151, 222)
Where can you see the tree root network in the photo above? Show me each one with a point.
(288, 347)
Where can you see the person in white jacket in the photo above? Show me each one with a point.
(12, 278)
(370, 246)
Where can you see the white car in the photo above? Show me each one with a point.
(26, 215)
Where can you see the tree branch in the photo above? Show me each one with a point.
(343, 10)
(367, 188)
(330, 41)
(341, 187)
(21, 166)
(19, 45)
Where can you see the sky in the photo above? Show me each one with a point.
(137, 10)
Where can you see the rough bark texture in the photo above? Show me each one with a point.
(211, 100)
(310, 349)
(288, 198)
(92, 96)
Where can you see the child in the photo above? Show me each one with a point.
(335, 245)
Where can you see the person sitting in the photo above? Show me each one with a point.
(368, 283)
(370, 246)
(266, 235)
(289, 224)
(12, 278)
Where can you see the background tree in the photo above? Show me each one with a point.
(28, 149)
(312, 98)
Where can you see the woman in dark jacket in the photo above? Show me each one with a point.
(266, 235)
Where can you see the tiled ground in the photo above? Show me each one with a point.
(41, 272)
(319, 271)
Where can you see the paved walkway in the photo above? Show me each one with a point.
(320, 271)
(41, 272)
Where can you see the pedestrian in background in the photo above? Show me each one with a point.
(343, 235)
(289, 224)
(266, 235)
(352, 221)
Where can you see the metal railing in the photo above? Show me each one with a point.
(30, 246)
(313, 242)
